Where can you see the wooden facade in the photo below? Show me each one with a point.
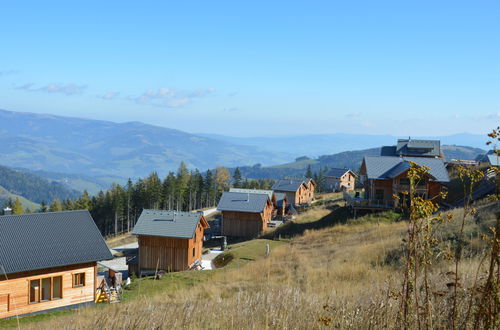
(246, 224)
(169, 253)
(379, 193)
(345, 183)
(46, 289)
(304, 195)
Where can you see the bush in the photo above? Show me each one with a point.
(223, 259)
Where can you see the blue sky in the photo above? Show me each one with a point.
(248, 68)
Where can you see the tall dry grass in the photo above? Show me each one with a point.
(340, 276)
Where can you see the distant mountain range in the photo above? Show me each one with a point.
(91, 154)
(100, 148)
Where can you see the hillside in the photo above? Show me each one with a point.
(6, 195)
(322, 274)
(99, 148)
(33, 187)
(346, 159)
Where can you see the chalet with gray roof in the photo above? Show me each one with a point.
(300, 192)
(340, 179)
(168, 240)
(48, 261)
(244, 214)
(386, 176)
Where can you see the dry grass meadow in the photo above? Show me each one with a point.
(342, 275)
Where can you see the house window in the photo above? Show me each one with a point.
(57, 287)
(34, 291)
(193, 252)
(379, 194)
(404, 181)
(78, 280)
(46, 288)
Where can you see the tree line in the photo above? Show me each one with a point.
(117, 209)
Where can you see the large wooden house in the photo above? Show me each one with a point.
(340, 179)
(298, 192)
(48, 261)
(169, 240)
(244, 214)
(384, 177)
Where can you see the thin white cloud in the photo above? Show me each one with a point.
(170, 98)
(109, 95)
(66, 89)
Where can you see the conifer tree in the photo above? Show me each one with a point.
(237, 178)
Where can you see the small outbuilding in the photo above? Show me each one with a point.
(168, 240)
(48, 261)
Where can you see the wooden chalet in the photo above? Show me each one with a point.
(48, 261)
(168, 240)
(340, 179)
(384, 176)
(270, 193)
(244, 214)
(298, 192)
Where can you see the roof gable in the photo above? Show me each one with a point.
(45, 240)
(168, 223)
(338, 172)
(243, 202)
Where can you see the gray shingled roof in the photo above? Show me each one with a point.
(287, 185)
(45, 240)
(252, 191)
(410, 147)
(336, 172)
(384, 167)
(241, 202)
(167, 223)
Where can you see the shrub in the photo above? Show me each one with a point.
(223, 259)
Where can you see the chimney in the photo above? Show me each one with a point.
(7, 211)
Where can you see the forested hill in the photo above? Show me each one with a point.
(346, 159)
(33, 187)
